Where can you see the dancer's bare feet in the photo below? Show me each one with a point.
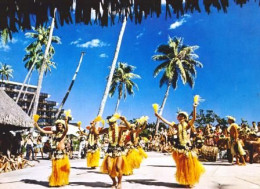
(119, 186)
(114, 183)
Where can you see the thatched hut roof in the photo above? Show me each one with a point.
(22, 14)
(12, 117)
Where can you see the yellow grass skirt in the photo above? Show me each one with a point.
(133, 159)
(142, 152)
(93, 158)
(189, 168)
(60, 172)
(111, 169)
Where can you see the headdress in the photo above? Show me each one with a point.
(183, 113)
(231, 118)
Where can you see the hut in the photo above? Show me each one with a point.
(12, 117)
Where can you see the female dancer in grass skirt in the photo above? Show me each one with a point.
(135, 153)
(115, 163)
(93, 151)
(60, 161)
(189, 168)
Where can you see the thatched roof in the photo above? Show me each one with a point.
(22, 14)
(12, 117)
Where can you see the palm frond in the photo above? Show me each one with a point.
(160, 67)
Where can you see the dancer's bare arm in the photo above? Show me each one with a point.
(164, 120)
(41, 130)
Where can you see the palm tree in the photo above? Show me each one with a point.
(6, 71)
(112, 69)
(178, 61)
(122, 81)
(43, 40)
(34, 57)
(70, 87)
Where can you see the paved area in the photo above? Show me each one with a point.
(156, 172)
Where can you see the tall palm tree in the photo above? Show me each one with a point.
(122, 81)
(6, 71)
(34, 53)
(178, 61)
(43, 41)
(112, 69)
(70, 87)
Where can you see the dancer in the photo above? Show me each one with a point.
(236, 146)
(115, 163)
(189, 168)
(135, 153)
(60, 161)
(93, 151)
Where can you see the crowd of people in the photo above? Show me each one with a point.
(121, 147)
(212, 142)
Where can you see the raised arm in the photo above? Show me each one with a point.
(164, 120)
(191, 122)
(103, 131)
(127, 124)
(41, 130)
(142, 127)
(81, 132)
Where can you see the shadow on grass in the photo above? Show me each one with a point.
(152, 182)
(87, 184)
(161, 165)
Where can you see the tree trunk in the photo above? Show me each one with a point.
(42, 69)
(70, 87)
(162, 106)
(26, 78)
(104, 99)
(28, 112)
(117, 104)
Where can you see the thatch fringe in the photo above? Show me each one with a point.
(19, 14)
(11, 115)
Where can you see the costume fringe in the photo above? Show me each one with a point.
(237, 149)
(189, 168)
(60, 172)
(111, 169)
(133, 159)
(93, 158)
(142, 152)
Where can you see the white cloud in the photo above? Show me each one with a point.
(177, 24)
(4, 47)
(75, 42)
(103, 55)
(139, 35)
(93, 43)
(160, 33)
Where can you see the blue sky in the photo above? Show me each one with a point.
(229, 50)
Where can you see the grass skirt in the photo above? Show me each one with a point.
(93, 158)
(142, 152)
(189, 168)
(111, 170)
(237, 149)
(133, 159)
(60, 172)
